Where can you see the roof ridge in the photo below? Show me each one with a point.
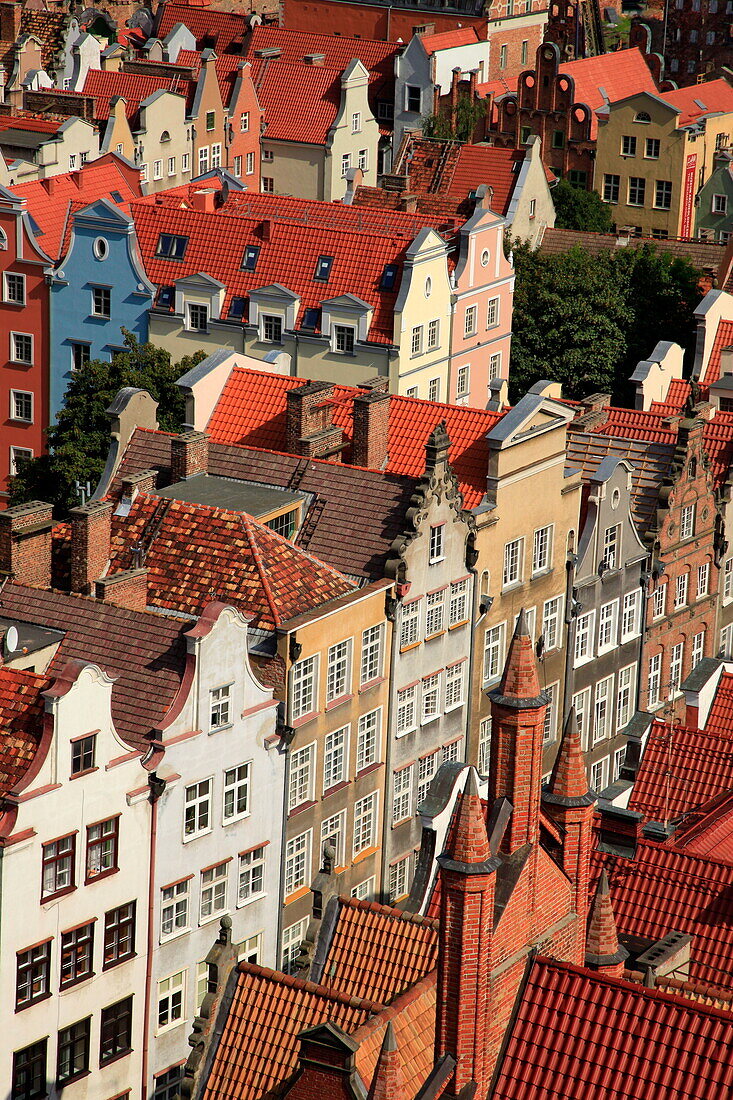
(310, 987)
(389, 911)
(396, 1006)
(264, 578)
(90, 601)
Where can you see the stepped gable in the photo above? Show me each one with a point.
(21, 723)
(144, 652)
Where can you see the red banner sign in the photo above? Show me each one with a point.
(688, 196)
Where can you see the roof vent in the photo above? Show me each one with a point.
(269, 53)
(315, 59)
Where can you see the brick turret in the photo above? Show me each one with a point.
(603, 952)
(467, 871)
(518, 712)
(388, 1081)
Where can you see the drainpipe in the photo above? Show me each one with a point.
(287, 734)
(157, 786)
(571, 615)
(644, 585)
(471, 559)
(391, 604)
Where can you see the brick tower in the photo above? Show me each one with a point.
(603, 951)
(388, 1081)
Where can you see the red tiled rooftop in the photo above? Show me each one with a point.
(447, 40)
(699, 100)
(225, 29)
(308, 110)
(488, 164)
(675, 401)
(21, 723)
(681, 769)
(620, 74)
(709, 832)
(226, 66)
(578, 1034)
(723, 339)
(133, 87)
(412, 1016)
(337, 50)
(30, 122)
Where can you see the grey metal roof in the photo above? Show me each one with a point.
(236, 496)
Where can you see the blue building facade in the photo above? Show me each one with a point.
(98, 289)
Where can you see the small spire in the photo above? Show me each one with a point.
(519, 679)
(568, 784)
(388, 1082)
(602, 950)
(470, 840)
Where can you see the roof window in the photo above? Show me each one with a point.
(171, 247)
(236, 307)
(166, 294)
(116, 196)
(311, 319)
(389, 277)
(251, 255)
(323, 268)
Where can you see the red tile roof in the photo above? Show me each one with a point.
(133, 87)
(487, 164)
(578, 1034)
(338, 51)
(200, 553)
(699, 100)
(145, 652)
(675, 401)
(30, 122)
(723, 339)
(226, 66)
(311, 105)
(21, 723)
(709, 832)
(412, 1016)
(447, 40)
(224, 30)
(251, 411)
(680, 770)
(608, 78)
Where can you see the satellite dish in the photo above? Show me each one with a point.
(11, 639)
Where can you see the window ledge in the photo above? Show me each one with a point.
(511, 586)
(196, 836)
(87, 771)
(364, 854)
(328, 791)
(372, 684)
(369, 769)
(220, 729)
(75, 982)
(203, 921)
(456, 706)
(118, 962)
(58, 894)
(407, 648)
(297, 894)
(233, 820)
(102, 874)
(338, 702)
(252, 900)
(405, 733)
(429, 719)
(431, 637)
(115, 1058)
(173, 935)
(35, 1001)
(303, 806)
(457, 626)
(305, 719)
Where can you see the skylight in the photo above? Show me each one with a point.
(171, 247)
(389, 277)
(251, 255)
(236, 307)
(311, 318)
(323, 268)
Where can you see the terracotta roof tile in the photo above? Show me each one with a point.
(223, 30)
(49, 27)
(608, 78)
(144, 652)
(723, 339)
(709, 831)
(675, 401)
(446, 40)
(133, 87)
(488, 164)
(699, 100)
(702, 254)
(27, 121)
(699, 763)
(21, 723)
(308, 110)
(338, 51)
(412, 1016)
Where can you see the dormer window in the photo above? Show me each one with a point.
(198, 317)
(311, 319)
(389, 277)
(166, 295)
(323, 268)
(236, 308)
(271, 329)
(343, 339)
(251, 255)
(171, 247)
(642, 116)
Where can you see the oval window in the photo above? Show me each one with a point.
(428, 287)
(101, 248)
(485, 257)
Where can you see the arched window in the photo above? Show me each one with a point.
(642, 116)
(692, 468)
(3, 240)
(165, 136)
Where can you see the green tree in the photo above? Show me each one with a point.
(576, 208)
(441, 126)
(586, 320)
(79, 441)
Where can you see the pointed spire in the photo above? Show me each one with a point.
(519, 679)
(388, 1082)
(470, 842)
(568, 784)
(602, 950)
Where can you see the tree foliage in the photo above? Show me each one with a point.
(442, 127)
(586, 320)
(79, 441)
(576, 208)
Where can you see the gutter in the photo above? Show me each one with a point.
(471, 552)
(157, 786)
(391, 604)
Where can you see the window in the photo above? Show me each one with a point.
(174, 908)
(525, 47)
(14, 288)
(251, 875)
(598, 774)
(433, 389)
(365, 823)
(637, 190)
(171, 1000)
(219, 707)
(654, 681)
(297, 863)
(436, 543)
(495, 365)
(216, 155)
(492, 313)
(59, 857)
(73, 1052)
(552, 623)
(345, 163)
(611, 540)
(362, 160)
(338, 673)
(726, 641)
(236, 793)
(21, 347)
(250, 258)
(82, 754)
(659, 600)
(458, 603)
(168, 1084)
(244, 122)
(584, 628)
(512, 562)
(602, 713)
(484, 746)
(558, 139)
(143, 173)
(210, 120)
(435, 613)
(323, 269)
(157, 169)
(625, 696)
(607, 626)
(549, 731)
(680, 590)
(542, 550)
(401, 794)
(675, 667)
(581, 703)
(411, 391)
(356, 122)
(18, 455)
(687, 522)
(433, 334)
(703, 580)
(631, 615)
(198, 317)
(271, 329)
(101, 302)
(333, 833)
(368, 740)
(416, 342)
(728, 579)
(450, 752)
(698, 648)
(628, 146)
(102, 845)
(301, 776)
(32, 974)
(406, 710)
(430, 697)
(410, 624)
(371, 654)
(494, 652)
(119, 934)
(268, 185)
(80, 355)
(72, 162)
(469, 321)
(651, 149)
(29, 1071)
(203, 160)
(213, 891)
(720, 204)
(186, 162)
(413, 99)
(116, 1031)
(334, 757)
(611, 184)
(171, 246)
(454, 686)
(171, 166)
(343, 336)
(662, 195)
(399, 876)
(502, 57)
(250, 164)
(197, 809)
(426, 769)
(304, 687)
(292, 939)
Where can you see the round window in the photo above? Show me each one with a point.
(615, 498)
(101, 248)
(428, 287)
(484, 257)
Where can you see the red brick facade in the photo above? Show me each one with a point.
(698, 40)
(25, 543)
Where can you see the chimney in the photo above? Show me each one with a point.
(90, 537)
(314, 59)
(370, 439)
(455, 87)
(203, 200)
(602, 952)
(132, 484)
(266, 229)
(25, 543)
(189, 455)
(127, 589)
(10, 13)
(310, 429)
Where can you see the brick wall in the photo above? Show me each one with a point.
(25, 543)
(128, 589)
(90, 538)
(189, 455)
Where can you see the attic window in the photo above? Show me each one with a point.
(171, 246)
(165, 298)
(116, 196)
(642, 116)
(311, 319)
(251, 255)
(389, 277)
(236, 308)
(323, 268)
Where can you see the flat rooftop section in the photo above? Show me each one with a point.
(31, 637)
(235, 496)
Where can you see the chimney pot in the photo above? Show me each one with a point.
(189, 455)
(91, 526)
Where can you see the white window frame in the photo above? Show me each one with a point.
(402, 780)
(293, 936)
(304, 687)
(542, 550)
(335, 826)
(399, 878)
(339, 670)
(201, 802)
(369, 740)
(175, 909)
(406, 710)
(676, 663)
(494, 646)
(659, 600)
(14, 338)
(430, 697)
(681, 589)
(463, 381)
(298, 863)
(582, 705)
(427, 768)
(7, 276)
(493, 312)
(455, 680)
(14, 395)
(631, 615)
(458, 603)
(336, 757)
(513, 555)
(687, 522)
(603, 709)
(219, 707)
(172, 995)
(607, 626)
(366, 811)
(549, 730)
(435, 613)
(15, 454)
(484, 746)
(703, 580)
(654, 681)
(625, 689)
(251, 866)
(437, 543)
(698, 648)
(552, 622)
(584, 637)
(728, 580)
(470, 321)
(214, 891)
(237, 784)
(372, 655)
(301, 782)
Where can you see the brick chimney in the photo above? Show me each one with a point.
(10, 13)
(204, 200)
(326, 1065)
(370, 439)
(127, 589)
(189, 455)
(25, 543)
(310, 430)
(90, 537)
(318, 59)
(603, 952)
(518, 708)
(467, 891)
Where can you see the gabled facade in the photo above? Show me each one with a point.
(35, 149)
(714, 208)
